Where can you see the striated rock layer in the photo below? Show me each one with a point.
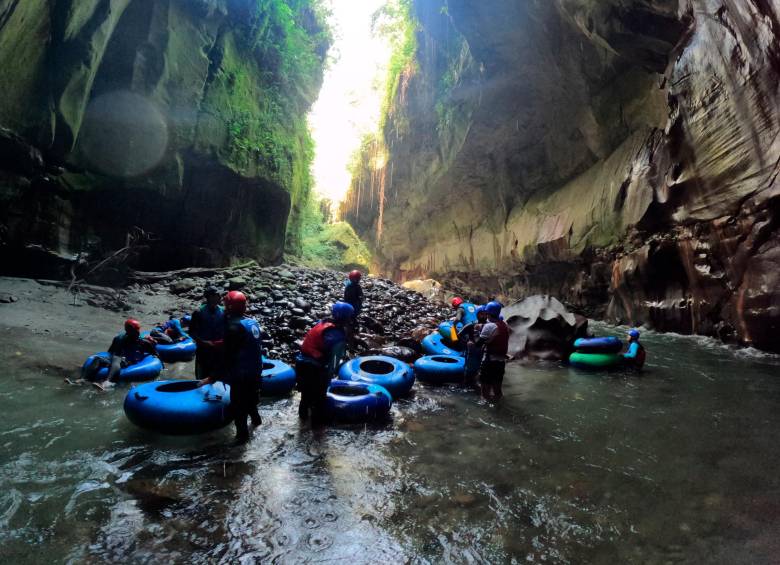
(185, 118)
(622, 155)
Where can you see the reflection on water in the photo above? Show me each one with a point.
(678, 465)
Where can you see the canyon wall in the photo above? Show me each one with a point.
(622, 155)
(183, 119)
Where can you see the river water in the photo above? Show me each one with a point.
(678, 465)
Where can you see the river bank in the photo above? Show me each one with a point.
(678, 466)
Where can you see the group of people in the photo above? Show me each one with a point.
(230, 347)
(481, 332)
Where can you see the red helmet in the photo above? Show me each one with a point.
(355, 276)
(132, 325)
(235, 302)
(456, 302)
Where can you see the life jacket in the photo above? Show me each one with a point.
(499, 345)
(212, 324)
(132, 351)
(314, 343)
(250, 356)
(469, 313)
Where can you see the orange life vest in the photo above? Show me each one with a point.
(314, 341)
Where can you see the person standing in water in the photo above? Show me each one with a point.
(323, 347)
(495, 338)
(635, 355)
(474, 353)
(127, 348)
(242, 363)
(207, 328)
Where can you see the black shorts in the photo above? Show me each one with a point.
(492, 372)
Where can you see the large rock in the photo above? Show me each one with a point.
(542, 328)
(429, 288)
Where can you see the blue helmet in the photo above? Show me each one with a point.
(633, 333)
(342, 311)
(480, 310)
(493, 308)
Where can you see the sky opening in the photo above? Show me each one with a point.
(350, 100)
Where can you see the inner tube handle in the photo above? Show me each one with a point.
(140, 396)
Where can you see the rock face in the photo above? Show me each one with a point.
(185, 118)
(622, 155)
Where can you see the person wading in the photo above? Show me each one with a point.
(495, 339)
(323, 347)
(242, 363)
(207, 328)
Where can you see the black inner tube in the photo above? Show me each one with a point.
(377, 367)
(180, 386)
(349, 390)
(444, 359)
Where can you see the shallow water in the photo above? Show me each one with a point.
(678, 465)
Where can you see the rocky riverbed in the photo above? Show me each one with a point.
(287, 301)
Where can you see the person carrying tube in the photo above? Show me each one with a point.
(317, 363)
(127, 348)
(207, 328)
(495, 339)
(242, 363)
(636, 354)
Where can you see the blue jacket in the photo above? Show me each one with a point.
(207, 325)
(243, 350)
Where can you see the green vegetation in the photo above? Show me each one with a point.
(266, 72)
(395, 21)
(333, 246)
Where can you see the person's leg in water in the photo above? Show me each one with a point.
(485, 380)
(307, 375)
(319, 403)
(253, 400)
(90, 371)
(498, 381)
(161, 337)
(113, 373)
(240, 402)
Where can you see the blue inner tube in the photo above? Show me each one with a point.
(350, 401)
(277, 379)
(598, 345)
(182, 351)
(434, 345)
(179, 407)
(395, 376)
(147, 369)
(440, 369)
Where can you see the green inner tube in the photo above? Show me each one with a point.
(595, 359)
